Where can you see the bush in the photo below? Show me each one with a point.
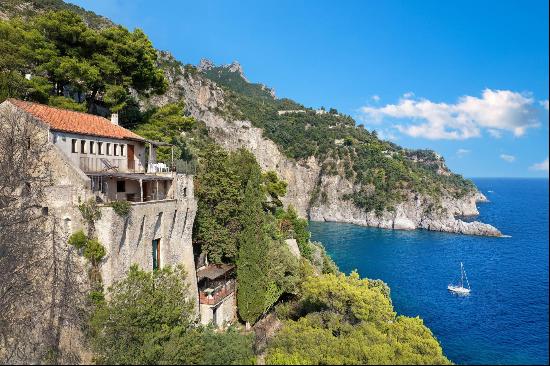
(78, 239)
(90, 211)
(94, 251)
(122, 208)
(348, 320)
(148, 319)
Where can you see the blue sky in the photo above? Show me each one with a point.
(468, 79)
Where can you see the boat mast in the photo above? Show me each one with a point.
(461, 275)
(468, 282)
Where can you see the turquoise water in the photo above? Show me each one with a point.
(505, 319)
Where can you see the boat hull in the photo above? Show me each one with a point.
(458, 290)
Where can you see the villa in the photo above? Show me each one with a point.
(93, 158)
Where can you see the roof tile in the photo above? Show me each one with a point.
(75, 122)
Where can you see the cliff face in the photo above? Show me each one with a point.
(315, 195)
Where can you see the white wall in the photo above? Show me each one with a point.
(91, 161)
(225, 313)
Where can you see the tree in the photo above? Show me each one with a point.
(218, 191)
(148, 319)
(295, 227)
(142, 311)
(347, 320)
(256, 290)
(167, 124)
(274, 189)
(64, 55)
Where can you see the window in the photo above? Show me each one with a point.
(108, 149)
(156, 254)
(121, 186)
(100, 148)
(92, 147)
(121, 150)
(73, 142)
(83, 147)
(115, 152)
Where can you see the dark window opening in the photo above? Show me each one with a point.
(100, 148)
(156, 254)
(121, 186)
(44, 211)
(74, 145)
(115, 152)
(121, 150)
(92, 147)
(108, 149)
(83, 147)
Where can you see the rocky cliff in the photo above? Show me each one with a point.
(317, 195)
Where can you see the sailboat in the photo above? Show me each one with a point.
(460, 289)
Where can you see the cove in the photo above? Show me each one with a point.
(505, 319)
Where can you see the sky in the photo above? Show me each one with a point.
(468, 79)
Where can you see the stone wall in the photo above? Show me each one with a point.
(225, 311)
(128, 240)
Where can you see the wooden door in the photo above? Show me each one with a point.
(131, 162)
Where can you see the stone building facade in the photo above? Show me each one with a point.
(157, 231)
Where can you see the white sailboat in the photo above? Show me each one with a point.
(460, 289)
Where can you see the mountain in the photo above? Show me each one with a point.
(26, 8)
(336, 170)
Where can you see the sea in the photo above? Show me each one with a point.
(505, 318)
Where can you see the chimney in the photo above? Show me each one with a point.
(114, 118)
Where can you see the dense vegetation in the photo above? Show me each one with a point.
(70, 63)
(383, 172)
(344, 320)
(29, 8)
(148, 319)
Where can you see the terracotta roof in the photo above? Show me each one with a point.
(75, 122)
(214, 271)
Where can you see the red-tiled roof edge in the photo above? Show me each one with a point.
(20, 104)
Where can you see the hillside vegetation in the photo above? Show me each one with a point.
(383, 172)
(146, 317)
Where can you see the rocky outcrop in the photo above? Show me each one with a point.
(205, 101)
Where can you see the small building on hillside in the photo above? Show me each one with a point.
(217, 295)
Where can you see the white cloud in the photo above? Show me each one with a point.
(495, 133)
(540, 166)
(496, 111)
(544, 103)
(462, 152)
(376, 98)
(386, 135)
(508, 158)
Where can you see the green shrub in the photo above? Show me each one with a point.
(66, 103)
(90, 210)
(122, 208)
(94, 251)
(346, 321)
(78, 239)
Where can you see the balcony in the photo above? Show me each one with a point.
(101, 164)
(212, 296)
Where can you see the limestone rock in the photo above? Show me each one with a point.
(293, 246)
(204, 99)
